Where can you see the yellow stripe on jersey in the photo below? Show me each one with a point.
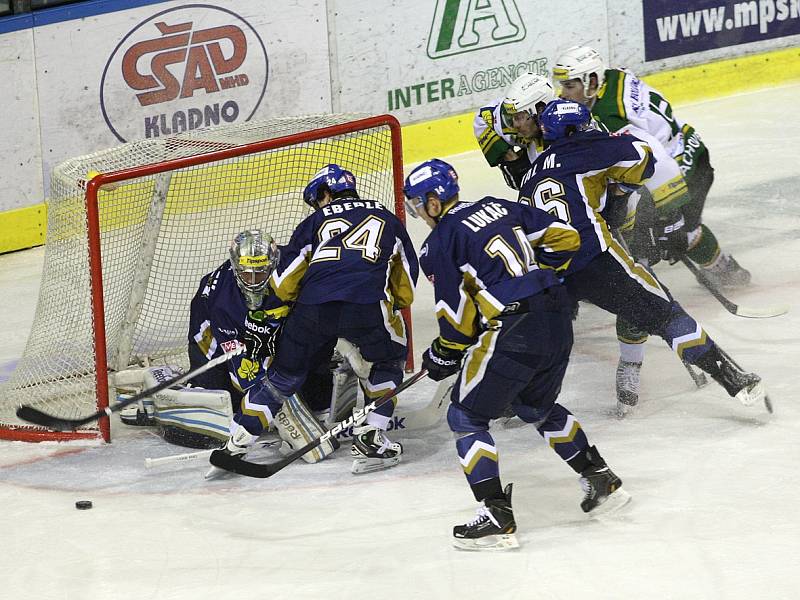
(594, 186)
(464, 318)
(205, 340)
(621, 94)
(477, 359)
(634, 172)
(635, 270)
(287, 284)
(559, 238)
(393, 322)
(674, 191)
(401, 285)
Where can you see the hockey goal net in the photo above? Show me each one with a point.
(126, 249)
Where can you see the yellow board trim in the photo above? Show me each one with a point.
(22, 227)
(25, 227)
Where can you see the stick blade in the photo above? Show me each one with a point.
(37, 417)
(763, 313)
(237, 465)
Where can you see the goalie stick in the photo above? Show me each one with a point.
(735, 309)
(237, 465)
(37, 417)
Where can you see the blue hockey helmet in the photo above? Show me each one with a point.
(559, 115)
(332, 178)
(433, 175)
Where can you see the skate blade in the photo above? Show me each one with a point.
(490, 543)
(624, 410)
(753, 396)
(613, 504)
(367, 465)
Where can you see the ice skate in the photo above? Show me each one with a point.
(237, 445)
(726, 272)
(627, 386)
(492, 529)
(602, 489)
(747, 388)
(372, 450)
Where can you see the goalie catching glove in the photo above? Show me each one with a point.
(442, 360)
(673, 240)
(261, 334)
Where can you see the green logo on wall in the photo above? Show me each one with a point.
(465, 25)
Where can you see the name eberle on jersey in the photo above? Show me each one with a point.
(338, 208)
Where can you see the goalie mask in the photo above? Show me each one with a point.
(253, 258)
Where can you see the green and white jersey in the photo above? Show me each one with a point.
(495, 135)
(625, 99)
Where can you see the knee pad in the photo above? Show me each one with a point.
(462, 423)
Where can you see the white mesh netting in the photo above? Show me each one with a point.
(159, 234)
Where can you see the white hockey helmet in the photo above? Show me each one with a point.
(579, 62)
(253, 258)
(526, 92)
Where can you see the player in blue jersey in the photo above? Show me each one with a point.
(348, 269)
(502, 312)
(570, 181)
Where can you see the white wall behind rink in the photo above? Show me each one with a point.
(88, 83)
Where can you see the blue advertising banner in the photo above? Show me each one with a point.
(676, 27)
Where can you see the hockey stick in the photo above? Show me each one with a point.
(37, 417)
(735, 309)
(193, 457)
(431, 414)
(235, 464)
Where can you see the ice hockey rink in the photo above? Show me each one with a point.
(715, 485)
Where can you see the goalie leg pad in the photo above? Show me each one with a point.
(297, 427)
(191, 417)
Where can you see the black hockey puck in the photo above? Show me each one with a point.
(83, 504)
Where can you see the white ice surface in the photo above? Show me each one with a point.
(714, 485)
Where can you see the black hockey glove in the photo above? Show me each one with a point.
(673, 240)
(441, 362)
(261, 334)
(514, 170)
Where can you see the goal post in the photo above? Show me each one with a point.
(131, 230)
